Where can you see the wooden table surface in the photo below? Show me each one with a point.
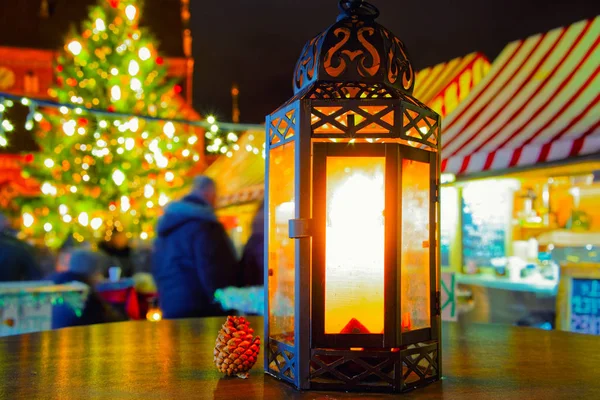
(173, 360)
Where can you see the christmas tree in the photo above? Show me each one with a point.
(100, 172)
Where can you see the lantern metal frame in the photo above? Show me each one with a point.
(353, 115)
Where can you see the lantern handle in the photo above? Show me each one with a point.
(351, 8)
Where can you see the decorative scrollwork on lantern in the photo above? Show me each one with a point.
(306, 66)
(355, 49)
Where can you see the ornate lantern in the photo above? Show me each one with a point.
(352, 205)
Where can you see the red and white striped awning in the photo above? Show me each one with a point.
(539, 103)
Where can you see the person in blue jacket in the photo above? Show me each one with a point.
(192, 255)
(17, 258)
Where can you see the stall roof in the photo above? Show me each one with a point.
(443, 86)
(538, 104)
(240, 178)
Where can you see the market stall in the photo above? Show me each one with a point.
(521, 162)
(26, 307)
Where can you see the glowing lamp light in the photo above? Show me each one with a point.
(96, 223)
(3, 141)
(103, 124)
(214, 129)
(118, 177)
(63, 209)
(49, 163)
(144, 236)
(47, 227)
(67, 219)
(48, 189)
(352, 224)
(144, 54)
(74, 47)
(169, 130)
(232, 137)
(169, 176)
(192, 140)
(28, 220)
(37, 116)
(129, 144)
(130, 12)
(185, 153)
(115, 93)
(211, 120)
(134, 68)
(114, 71)
(83, 219)
(134, 124)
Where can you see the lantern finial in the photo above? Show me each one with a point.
(357, 8)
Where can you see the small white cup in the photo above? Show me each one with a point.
(114, 274)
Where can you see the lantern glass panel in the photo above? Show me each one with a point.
(281, 247)
(415, 258)
(354, 277)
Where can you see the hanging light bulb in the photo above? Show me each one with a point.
(169, 176)
(130, 12)
(135, 84)
(163, 199)
(47, 226)
(118, 177)
(83, 219)
(125, 205)
(74, 47)
(96, 223)
(129, 144)
(28, 220)
(49, 163)
(169, 129)
(134, 124)
(62, 209)
(115, 93)
(100, 26)
(148, 191)
(211, 120)
(134, 68)
(144, 53)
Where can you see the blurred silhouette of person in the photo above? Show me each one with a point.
(119, 251)
(193, 255)
(83, 266)
(17, 258)
(253, 258)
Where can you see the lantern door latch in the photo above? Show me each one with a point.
(300, 228)
(438, 303)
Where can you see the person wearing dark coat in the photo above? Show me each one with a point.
(252, 263)
(17, 258)
(84, 266)
(192, 255)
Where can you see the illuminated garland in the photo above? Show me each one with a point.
(217, 145)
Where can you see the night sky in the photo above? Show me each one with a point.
(256, 43)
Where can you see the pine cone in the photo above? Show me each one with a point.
(236, 349)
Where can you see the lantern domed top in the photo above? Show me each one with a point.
(355, 49)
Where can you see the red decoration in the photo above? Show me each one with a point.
(59, 68)
(111, 108)
(160, 60)
(71, 82)
(177, 89)
(29, 158)
(113, 3)
(82, 121)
